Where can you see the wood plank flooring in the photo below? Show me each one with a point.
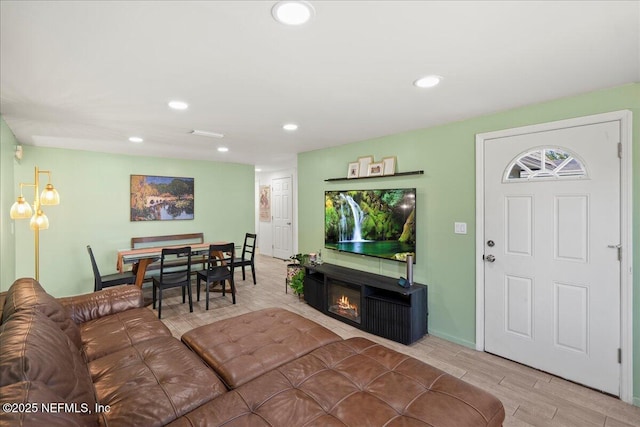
(530, 397)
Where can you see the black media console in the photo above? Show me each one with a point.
(373, 303)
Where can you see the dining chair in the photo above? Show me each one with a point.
(219, 269)
(126, 278)
(173, 275)
(248, 255)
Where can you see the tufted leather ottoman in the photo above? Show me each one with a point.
(242, 348)
(355, 382)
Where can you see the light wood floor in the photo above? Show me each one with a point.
(530, 397)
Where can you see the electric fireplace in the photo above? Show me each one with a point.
(344, 300)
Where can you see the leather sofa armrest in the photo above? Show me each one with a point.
(83, 308)
(3, 298)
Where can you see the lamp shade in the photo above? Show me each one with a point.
(39, 221)
(20, 209)
(49, 196)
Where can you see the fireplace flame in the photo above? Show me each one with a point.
(344, 304)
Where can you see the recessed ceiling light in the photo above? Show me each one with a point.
(223, 149)
(427, 81)
(290, 126)
(178, 105)
(135, 139)
(292, 12)
(258, 170)
(207, 133)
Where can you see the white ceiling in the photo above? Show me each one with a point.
(87, 75)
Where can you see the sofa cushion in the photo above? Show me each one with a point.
(32, 403)
(354, 382)
(112, 333)
(152, 383)
(27, 293)
(91, 306)
(35, 349)
(244, 347)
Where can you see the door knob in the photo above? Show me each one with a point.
(490, 258)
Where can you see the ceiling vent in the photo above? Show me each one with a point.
(209, 134)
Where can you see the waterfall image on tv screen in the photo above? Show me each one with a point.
(378, 223)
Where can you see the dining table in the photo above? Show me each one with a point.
(141, 258)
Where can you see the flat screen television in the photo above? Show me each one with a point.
(377, 223)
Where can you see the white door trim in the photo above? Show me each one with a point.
(292, 203)
(626, 211)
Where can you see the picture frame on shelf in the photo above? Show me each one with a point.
(364, 165)
(354, 170)
(376, 169)
(389, 165)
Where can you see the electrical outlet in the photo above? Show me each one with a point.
(460, 227)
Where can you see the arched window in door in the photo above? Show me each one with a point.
(545, 163)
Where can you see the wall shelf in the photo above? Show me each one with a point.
(373, 177)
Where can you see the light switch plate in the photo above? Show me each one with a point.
(460, 228)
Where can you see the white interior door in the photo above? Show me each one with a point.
(552, 269)
(282, 205)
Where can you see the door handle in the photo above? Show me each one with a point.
(489, 258)
(619, 248)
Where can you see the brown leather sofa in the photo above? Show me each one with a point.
(105, 359)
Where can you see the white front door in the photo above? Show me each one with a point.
(551, 271)
(282, 217)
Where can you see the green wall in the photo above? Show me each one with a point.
(8, 144)
(446, 194)
(94, 210)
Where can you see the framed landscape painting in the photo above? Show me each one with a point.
(161, 198)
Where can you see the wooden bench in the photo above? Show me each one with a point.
(197, 261)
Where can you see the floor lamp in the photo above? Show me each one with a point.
(39, 221)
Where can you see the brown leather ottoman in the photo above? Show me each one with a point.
(354, 382)
(242, 348)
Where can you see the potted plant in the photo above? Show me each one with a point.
(301, 259)
(296, 266)
(297, 283)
